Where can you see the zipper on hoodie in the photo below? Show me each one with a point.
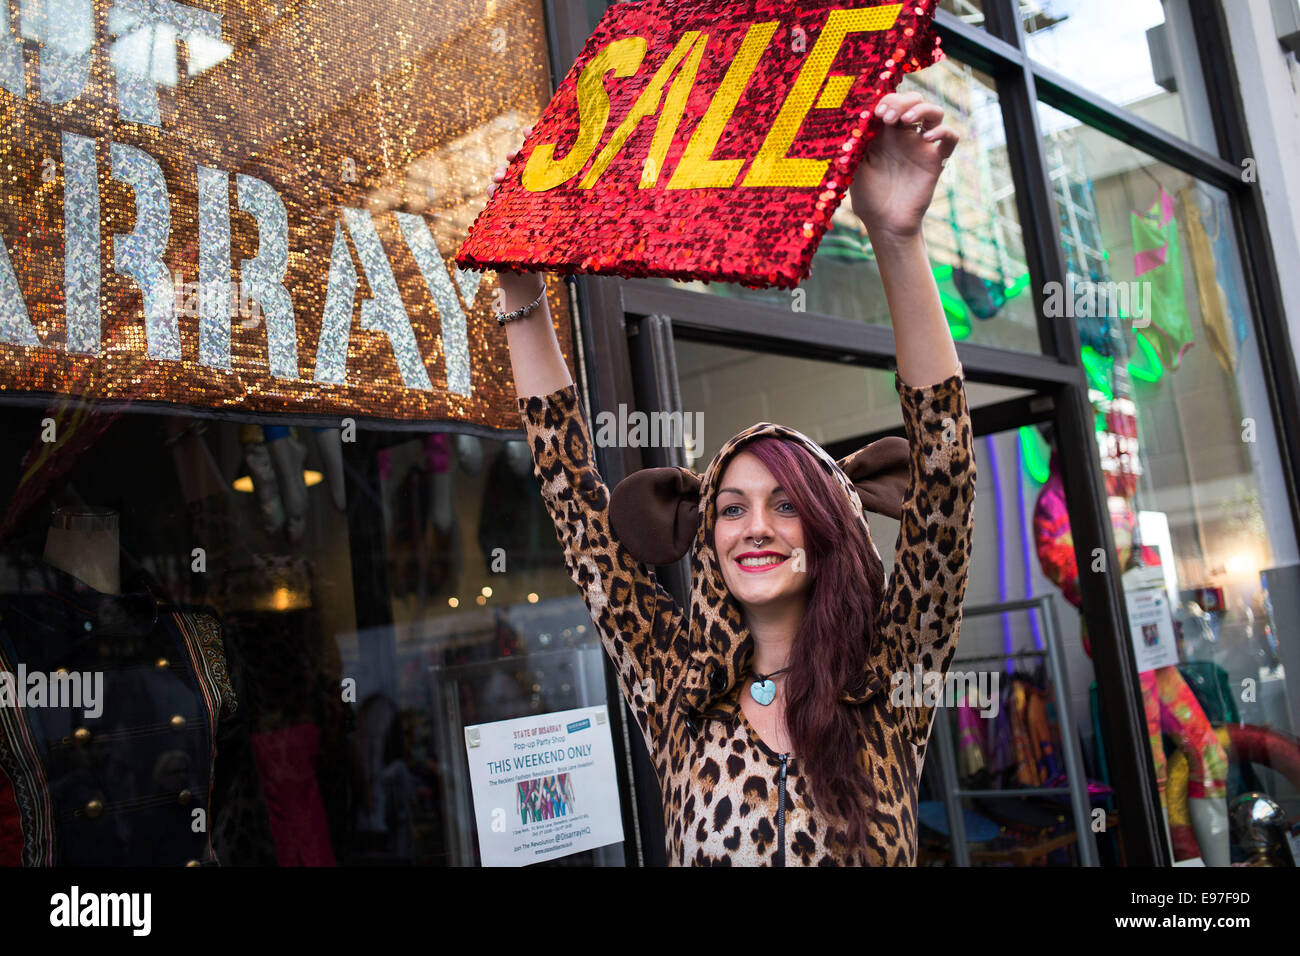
(780, 816)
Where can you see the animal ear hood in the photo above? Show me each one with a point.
(655, 512)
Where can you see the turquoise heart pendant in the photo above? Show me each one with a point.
(763, 691)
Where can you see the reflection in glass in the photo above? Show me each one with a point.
(1139, 54)
(969, 11)
(1197, 502)
(220, 586)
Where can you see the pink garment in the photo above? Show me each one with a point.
(437, 452)
(286, 761)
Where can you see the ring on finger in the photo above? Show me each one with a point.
(919, 127)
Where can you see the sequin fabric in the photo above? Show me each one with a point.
(694, 139)
(251, 208)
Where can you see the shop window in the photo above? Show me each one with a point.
(272, 546)
(259, 482)
(1191, 465)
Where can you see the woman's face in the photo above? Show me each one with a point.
(750, 506)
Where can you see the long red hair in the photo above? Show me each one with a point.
(834, 640)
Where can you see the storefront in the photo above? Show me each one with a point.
(266, 478)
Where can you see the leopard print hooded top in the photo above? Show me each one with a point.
(728, 798)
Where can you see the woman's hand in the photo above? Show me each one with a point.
(499, 176)
(895, 183)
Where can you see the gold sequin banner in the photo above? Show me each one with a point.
(254, 206)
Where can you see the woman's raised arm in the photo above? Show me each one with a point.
(890, 194)
(639, 622)
(919, 620)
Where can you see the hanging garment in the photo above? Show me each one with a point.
(1209, 294)
(1052, 536)
(257, 458)
(287, 456)
(1209, 682)
(971, 761)
(1040, 732)
(1171, 707)
(1158, 260)
(286, 761)
(1002, 756)
(1095, 322)
(1023, 749)
(983, 297)
(1233, 284)
(514, 518)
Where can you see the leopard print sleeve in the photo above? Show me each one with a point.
(640, 623)
(920, 616)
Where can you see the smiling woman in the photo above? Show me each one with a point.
(821, 768)
(793, 556)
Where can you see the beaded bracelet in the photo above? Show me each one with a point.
(523, 312)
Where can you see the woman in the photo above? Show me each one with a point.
(779, 708)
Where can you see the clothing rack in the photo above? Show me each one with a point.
(1071, 752)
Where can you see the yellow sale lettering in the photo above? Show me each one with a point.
(696, 170)
(814, 88)
(622, 58)
(647, 104)
(772, 167)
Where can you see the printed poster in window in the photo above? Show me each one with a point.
(544, 786)
(1152, 628)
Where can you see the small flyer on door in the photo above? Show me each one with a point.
(1152, 627)
(544, 786)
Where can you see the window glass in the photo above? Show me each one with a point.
(291, 547)
(1192, 470)
(1140, 54)
(969, 11)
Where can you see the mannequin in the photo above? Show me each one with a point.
(83, 540)
(469, 452)
(120, 786)
(329, 441)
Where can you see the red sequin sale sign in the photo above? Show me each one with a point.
(697, 139)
